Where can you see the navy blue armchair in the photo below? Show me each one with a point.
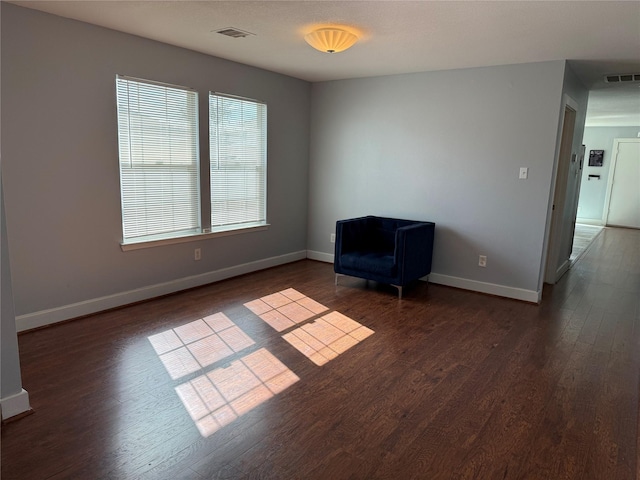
(385, 250)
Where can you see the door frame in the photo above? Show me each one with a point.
(612, 169)
(550, 270)
(580, 167)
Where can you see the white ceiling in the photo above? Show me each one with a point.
(599, 37)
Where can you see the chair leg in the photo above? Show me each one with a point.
(399, 287)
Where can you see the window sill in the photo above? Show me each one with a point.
(148, 242)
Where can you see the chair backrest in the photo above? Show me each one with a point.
(381, 232)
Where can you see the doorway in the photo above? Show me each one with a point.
(622, 203)
(561, 234)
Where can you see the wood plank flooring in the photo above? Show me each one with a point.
(452, 385)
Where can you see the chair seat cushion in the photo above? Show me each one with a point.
(376, 263)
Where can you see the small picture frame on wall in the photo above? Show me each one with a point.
(595, 158)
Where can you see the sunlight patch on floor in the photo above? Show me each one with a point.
(188, 348)
(217, 398)
(327, 337)
(285, 309)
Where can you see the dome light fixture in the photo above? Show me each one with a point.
(331, 39)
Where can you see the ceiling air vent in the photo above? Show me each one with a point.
(627, 77)
(234, 32)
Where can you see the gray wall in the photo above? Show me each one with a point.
(10, 378)
(60, 159)
(593, 192)
(445, 147)
(577, 91)
(580, 95)
(10, 375)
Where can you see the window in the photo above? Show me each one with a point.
(238, 161)
(161, 188)
(159, 159)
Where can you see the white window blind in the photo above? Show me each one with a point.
(238, 160)
(159, 159)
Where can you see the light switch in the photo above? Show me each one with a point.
(524, 172)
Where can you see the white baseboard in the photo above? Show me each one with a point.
(590, 221)
(562, 269)
(87, 307)
(320, 256)
(15, 404)
(483, 287)
(465, 284)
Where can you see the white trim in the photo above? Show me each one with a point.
(158, 84)
(320, 256)
(562, 269)
(464, 283)
(573, 104)
(553, 229)
(612, 172)
(191, 237)
(590, 221)
(87, 307)
(612, 169)
(483, 287)
(15, 404)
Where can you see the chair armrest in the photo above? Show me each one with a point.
(414, 250)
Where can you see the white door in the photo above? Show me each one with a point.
(624, 189)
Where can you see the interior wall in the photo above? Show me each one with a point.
(445, 147)
(13, 398)
(60, 161)
(577, 91)
(10, 375)
(578, 97)
(594, 191)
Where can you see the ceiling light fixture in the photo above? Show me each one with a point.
(330, 39)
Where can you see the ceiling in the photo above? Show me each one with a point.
(598, 37)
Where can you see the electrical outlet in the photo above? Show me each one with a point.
(197, 254)
(482, 261)
(332, 238)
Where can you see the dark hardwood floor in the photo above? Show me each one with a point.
(452, 384)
